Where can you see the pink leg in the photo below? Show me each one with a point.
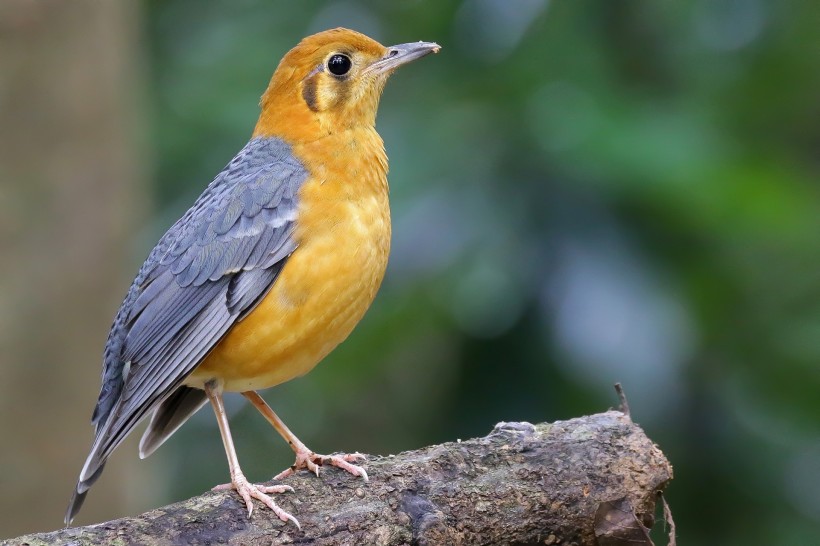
(245, 489)
(305, 458)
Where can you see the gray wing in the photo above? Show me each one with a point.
(206, 273)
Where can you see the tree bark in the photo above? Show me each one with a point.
(551, 483)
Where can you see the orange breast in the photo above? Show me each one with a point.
(325, 287)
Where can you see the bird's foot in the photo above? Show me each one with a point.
(249, 491)
(308, 460)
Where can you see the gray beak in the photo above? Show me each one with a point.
(398, 55)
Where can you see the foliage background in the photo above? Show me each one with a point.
(583, 192)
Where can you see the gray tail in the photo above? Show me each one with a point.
(78, 498)
(92, 469)
(169, 416)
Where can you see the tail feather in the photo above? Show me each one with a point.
(92, 469)
(169, 416)
(78, 498)
(166, 419)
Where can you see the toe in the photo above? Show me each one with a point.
(286, 517)
(284, 474)
(356, 470)
(246, 496)
(269, 502)
(276, 488)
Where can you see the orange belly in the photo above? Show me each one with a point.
(324, 289)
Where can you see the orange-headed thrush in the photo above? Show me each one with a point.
(268, 271)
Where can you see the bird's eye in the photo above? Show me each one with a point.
(339, 64)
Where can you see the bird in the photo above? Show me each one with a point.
(269, 270)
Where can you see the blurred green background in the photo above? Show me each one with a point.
(583, 192)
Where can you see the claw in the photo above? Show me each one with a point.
(249, 491)
(310, 461)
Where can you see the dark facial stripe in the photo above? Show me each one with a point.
(309, 92)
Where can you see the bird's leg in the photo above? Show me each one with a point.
(305, 458)
(239, 482)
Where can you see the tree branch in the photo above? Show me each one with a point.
(521, 484)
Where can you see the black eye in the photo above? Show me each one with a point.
(339, 64)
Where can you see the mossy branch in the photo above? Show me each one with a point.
(553, 483)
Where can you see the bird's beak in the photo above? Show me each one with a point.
(398, 55)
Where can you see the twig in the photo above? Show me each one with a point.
(667, 515)
(624, 404)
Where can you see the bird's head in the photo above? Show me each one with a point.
(331, 81)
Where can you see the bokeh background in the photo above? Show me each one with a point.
(583, 192)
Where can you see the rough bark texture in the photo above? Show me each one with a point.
(521, 484)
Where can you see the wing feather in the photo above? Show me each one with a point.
(206, 273)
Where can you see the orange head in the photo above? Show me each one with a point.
(330, 82)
